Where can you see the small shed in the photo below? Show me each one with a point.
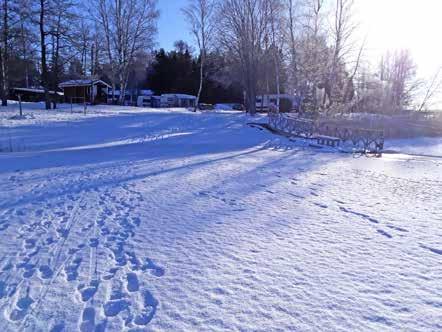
(92, 91)
(34, 94)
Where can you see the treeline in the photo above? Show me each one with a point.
(244, 48)
(178, 71)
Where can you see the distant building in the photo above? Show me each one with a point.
(34, 94)
(286, 102)
(131, 96)
(177, 100)
(91, 91)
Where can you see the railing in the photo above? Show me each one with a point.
(364, 140)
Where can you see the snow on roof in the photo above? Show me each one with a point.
(82, 82)
(36, 90)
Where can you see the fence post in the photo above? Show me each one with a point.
(72, 111)
(19, 105)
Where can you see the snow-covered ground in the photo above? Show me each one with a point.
(167, 220)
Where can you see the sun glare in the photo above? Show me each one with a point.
(399, 24)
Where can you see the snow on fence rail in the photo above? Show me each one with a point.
(367, 140)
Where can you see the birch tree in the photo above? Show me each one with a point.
(200, 17)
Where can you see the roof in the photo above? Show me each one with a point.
(36, 90)
(83, 82)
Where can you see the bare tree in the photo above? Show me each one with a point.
(128, 27)
(243, 27)
(277, 40)
(291, 25)
(351, 76)
(43, 9)
(312, 53)
(433, 88)
(26, 37)
(4, 53)
(343, 29)
(200, 16)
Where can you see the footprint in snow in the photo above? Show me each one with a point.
(45, 272)
(150, 305)
(132, 282)
(88, 292)
(433, 250)
(154, 269)
(93, 243)
(29, 243)
(21, 307)
(384, 233)
(117, 302)
(324, 206)
(112, 272)
(58, 327)
(71, 270)
(399, 229)
(88, 320)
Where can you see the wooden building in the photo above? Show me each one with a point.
(34, 94)
(90, 91)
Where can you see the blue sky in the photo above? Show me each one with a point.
(171, 25)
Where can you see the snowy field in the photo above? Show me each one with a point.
(131, 219)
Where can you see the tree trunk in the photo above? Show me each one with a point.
(200, 89)
(44, 68)
(1, 74)
(5, 57)
(24, 50)
(251, 91)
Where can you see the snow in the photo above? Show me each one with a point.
(35, 90)
(128, 219)
(223, 107)
(82, 82)
(420, 146)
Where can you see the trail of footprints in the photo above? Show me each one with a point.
(45, 252)
(314, 193)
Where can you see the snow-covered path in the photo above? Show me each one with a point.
(174, 221)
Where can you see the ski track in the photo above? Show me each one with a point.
(260, 235)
